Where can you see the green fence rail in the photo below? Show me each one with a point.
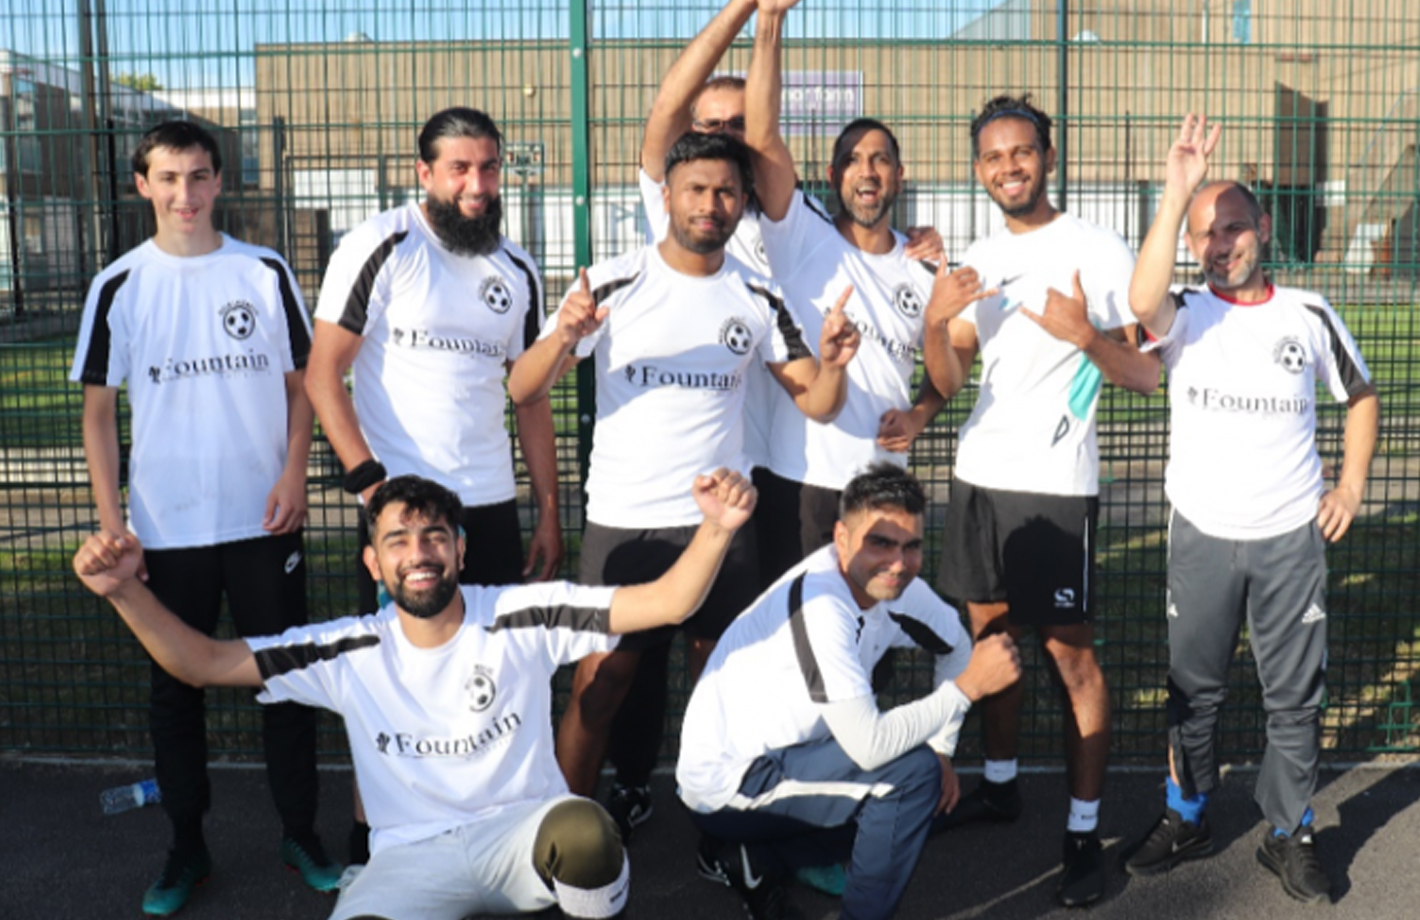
(317, 105)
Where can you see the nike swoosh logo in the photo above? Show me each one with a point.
(1011, 280)
(752, 881)
(292, 561)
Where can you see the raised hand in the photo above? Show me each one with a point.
(1065, 316)
(106, 562)
(839, 339)
(995, 664)
(1187, 162)
(953, 292)
(925, 245)
(898, 428)
(580, 316)
(725, 498)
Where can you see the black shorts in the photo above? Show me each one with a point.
(1035, 552)
(791, 520)
(621, 556)
(493, 550)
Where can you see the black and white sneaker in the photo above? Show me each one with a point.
(1082, 879)
(1171, 841)
(1293, 859)
(629, 807)
(707, 861)
(762, 892)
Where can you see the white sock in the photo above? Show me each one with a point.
(1084, 816)
(606, 901)
(1000, 771)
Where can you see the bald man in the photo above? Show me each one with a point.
(1251, 513)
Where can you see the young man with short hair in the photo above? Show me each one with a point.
(775, 787)
(211, 336)
(1251, 511)
(446, 696)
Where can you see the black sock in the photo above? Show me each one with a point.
(359, 843)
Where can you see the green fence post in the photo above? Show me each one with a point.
(579, 32)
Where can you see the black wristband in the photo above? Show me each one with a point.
(364, 476)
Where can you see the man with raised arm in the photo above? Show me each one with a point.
(1018, 541)
(446, 697)
(814, 257)
(821, 773)
(672, 329)
(1251, 511)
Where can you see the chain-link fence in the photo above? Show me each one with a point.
(317, 105)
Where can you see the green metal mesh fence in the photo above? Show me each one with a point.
(317, 106)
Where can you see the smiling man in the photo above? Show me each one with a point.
(1044, 302)
(775, 788)
(210, 336)
(446, 695)
(672, 329)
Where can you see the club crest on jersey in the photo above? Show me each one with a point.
(1290, 354)
(908, 301)
(481, 689)
(735, 336)
(495, 294)
(239, 319)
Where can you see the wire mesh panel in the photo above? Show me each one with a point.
(317, 105)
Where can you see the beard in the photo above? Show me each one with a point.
(702, 244)
(466, 236)
(867, 217)
(428, 603)
(1242, 273)
(1027, 206)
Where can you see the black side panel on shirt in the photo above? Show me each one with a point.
(96, 358)
(530, 325)
(282, 659)
(357, 305)
(611, 287)
(578, 619)
(793, 338)
(803, 650)
(295, 323)
(922, 634)
(1351, 376)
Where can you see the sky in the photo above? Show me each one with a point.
(191, 44)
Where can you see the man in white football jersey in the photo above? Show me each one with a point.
(210, 335)
(814, 257)
(431, 304)
(672, 329)
(1018, 542)
(446, 697)
(775, 787)
(1251, 511)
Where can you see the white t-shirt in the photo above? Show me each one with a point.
(1242, 383)
(670, 364)
(439, 331)
(1033, 428)
(779, 664)
(204, 343)
(446, 736)
(814, 264)
(746, 246)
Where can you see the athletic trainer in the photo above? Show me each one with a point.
(210, 336)
(1251, 511)
(446, 696)
(785, 759)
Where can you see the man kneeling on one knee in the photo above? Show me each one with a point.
(446, 696)
(785, 759)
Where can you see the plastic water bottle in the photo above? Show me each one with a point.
(122, 798)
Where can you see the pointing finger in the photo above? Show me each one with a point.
(586, 286)
(842, 300)
(1079, 291)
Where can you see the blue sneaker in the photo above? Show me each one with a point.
(306, 856)
(184, 871)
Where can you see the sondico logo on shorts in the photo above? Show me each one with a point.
(1290, 355)
(735, 336)
(480, 688)
(239, 319)
(495, 294)
(1064, 598)
(907, 300)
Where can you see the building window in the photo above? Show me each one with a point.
(1242, 22)
(26, 128)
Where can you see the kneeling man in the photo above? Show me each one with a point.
(783, 748)
(446, 696)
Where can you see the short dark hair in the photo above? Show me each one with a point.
(175, 135)
(420, 496)
(1254, 207)
(459, 121)
(882, 485)
(854, 130)
(1010, 107)
(693, 145)
(724, 81)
